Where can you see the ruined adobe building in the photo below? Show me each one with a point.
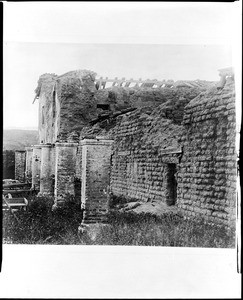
(168, 141)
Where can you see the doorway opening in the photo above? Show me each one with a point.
(171, 184)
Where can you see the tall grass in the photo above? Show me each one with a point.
(167, 230)
(40, 225)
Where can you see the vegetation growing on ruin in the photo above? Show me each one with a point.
(40, 225)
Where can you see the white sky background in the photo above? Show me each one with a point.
(63, 36)
(131, 40)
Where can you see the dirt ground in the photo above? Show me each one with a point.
(155, 207)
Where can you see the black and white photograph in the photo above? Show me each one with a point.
(121, 147)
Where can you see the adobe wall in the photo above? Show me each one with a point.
(20, 165)
(189, 143)
(145, 149)
(121, 97)
(207, 173)
(8, 164)
(145, 146)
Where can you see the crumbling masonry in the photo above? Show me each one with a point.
(168, 141)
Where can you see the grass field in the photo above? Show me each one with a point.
(40, 225)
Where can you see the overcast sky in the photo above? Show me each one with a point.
(132, 40)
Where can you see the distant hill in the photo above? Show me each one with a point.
(18, 139)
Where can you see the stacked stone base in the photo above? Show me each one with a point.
(94, 218)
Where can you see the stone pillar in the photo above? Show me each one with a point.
(96, 156)
(65, 169)
(46, 170)
(36, 165)
(8, 164)
(28, 164)
(20, 165)
(53, 167)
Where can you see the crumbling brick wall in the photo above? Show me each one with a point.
(8, 164)
(145, 146)
(67, 103)
(121, 97)
(146, 150)
(207, 173)
(75, 92)
(184, 159)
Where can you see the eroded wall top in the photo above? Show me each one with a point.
(72, 101)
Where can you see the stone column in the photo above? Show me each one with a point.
(53, 167)
(8, 160)
(96, 156)
(65, 169)
(20, 165)
(46, 170)
(28, 164)
(36, 165)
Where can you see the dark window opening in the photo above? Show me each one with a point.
(171, 184)
(103, 106)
